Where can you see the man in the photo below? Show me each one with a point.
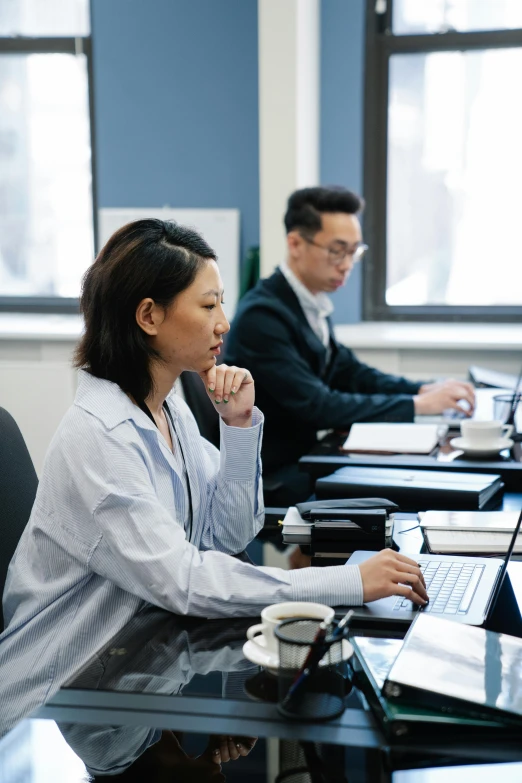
(305, 380)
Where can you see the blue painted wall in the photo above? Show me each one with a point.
(342, 111)
(176, 105)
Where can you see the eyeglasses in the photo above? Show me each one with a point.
(338, 253)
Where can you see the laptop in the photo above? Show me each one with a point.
(496, 384)
(463, 589)
(484, 407)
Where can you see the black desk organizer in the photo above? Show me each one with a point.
(321, 695)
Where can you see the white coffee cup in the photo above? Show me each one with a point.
(263, 633)
(482, 434)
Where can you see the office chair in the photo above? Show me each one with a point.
(197, 399)
(18, 484)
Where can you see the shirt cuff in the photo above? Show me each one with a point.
(333, 585)
(240, 449)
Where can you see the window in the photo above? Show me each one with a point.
(443, 159)
(46, 191)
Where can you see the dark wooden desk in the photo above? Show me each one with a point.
(327, 457)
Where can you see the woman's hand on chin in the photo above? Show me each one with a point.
(232, 391)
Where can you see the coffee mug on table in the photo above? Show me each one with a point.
(263, 633)
(482, 434)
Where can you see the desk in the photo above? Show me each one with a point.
(326, 458)
(167, 674)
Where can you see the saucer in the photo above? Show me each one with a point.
(469, 448)
(270, 660)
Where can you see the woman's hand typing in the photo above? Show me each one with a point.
(232, 391)
(389, 573)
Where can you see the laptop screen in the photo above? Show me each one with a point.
(505, 564)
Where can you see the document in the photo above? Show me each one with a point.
(294, 524)
(395, 438)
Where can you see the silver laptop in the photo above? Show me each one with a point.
(464, 589)
(484, 407)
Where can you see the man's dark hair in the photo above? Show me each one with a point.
(148, 258)
(305, 206)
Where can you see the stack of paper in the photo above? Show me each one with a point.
(395, 438)
(295, 528)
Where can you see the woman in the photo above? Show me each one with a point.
(133, 505)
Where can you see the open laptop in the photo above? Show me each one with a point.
(484, 407)
(464, 589)
(496, 384)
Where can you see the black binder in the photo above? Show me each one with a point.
(415, 490)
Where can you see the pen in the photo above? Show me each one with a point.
(316, 653)
(341, 625)
(311, 662)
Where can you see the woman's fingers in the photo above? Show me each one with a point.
(384, 572)
(245, 744)
(409, 592)
(410, 565)
(223, 381)
(413, 580)
(234, 378)
(209, 378)
(223, 747)
(233, 749)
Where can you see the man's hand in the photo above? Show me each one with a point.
(232, 391)
(389, 573)
(437, 397)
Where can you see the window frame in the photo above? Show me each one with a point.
(381, 45)
(55, 45)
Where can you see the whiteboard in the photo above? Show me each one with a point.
(219, 227)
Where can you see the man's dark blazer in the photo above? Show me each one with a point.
(297, 390)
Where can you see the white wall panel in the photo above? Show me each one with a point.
(37, 394)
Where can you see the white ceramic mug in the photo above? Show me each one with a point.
(263, 633)
(482, 434)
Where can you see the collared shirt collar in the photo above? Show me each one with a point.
(320, 304)
(109, 403)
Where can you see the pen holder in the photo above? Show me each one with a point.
(318, 691)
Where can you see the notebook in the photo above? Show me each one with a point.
(395, 438)
(413, 489)
(458, 669)
(469, 532)
(494, 521)
(468, 542)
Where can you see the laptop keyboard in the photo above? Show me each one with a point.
(450, 586)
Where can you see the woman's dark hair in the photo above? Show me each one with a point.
(148, 258)
(303, 212)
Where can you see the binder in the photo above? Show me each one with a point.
(415, 490)
(458, 669)
(373, 659)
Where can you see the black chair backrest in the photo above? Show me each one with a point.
(18, 484)
(197, 399)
